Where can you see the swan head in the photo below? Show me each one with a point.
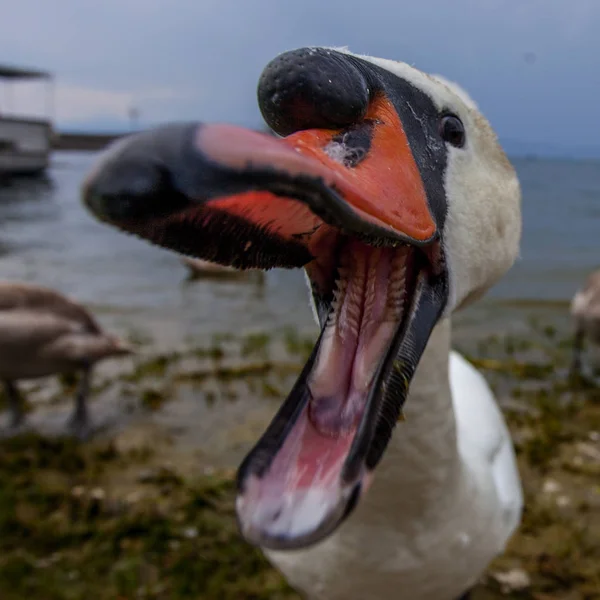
(389, 187)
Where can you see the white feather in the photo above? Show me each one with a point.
(483, 438)
(458, 90)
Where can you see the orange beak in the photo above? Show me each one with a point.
(384, 189)
(233, 181)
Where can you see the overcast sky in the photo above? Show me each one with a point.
(532, 65)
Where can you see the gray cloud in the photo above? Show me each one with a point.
(533, 66)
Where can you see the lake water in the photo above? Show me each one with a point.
(47, 237)
(201, 424)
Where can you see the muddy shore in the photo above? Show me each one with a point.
(145, 508)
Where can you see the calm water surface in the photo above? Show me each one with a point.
(46, 236)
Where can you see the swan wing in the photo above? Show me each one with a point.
(483, 436)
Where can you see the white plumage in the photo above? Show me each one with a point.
(483, 438)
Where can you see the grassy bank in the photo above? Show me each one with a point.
(128, 515)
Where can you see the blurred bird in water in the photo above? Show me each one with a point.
(585, 309)
(204, 269)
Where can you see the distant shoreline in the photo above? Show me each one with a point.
(84, 141)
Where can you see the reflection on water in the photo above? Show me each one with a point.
(46, 236)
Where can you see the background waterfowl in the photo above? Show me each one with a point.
(200, 269)
(44, 333)
(392, 191)
(585, 310)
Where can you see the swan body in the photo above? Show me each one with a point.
(484, 441)
(391, 190)
(43, 333)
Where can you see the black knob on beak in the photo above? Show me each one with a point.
(312, 88)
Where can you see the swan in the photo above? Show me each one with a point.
(204, 269)
(389, 471)
(585, 310)
(43, 333)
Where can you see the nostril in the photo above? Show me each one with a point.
(312, 88)
(128, 189)
(276, 514)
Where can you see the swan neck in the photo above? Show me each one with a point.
(423, 453)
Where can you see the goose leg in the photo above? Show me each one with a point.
(577, 350)
(466, 596)
(79, 420)
(14, 404)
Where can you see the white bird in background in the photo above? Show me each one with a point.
(585, 310)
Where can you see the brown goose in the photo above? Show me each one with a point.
(43, 333)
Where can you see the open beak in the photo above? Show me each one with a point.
(350, 206)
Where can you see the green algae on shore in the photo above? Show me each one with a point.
(124, 517)
(66, 531)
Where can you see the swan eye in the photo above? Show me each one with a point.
(452, 130)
